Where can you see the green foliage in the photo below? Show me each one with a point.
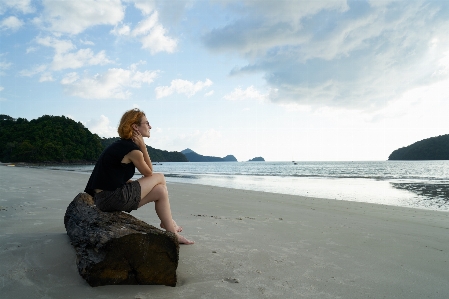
(434, 148)
(46, 139)
(156, 155)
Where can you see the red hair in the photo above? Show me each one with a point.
(131, 117)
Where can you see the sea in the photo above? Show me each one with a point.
(416, 184)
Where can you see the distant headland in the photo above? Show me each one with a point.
(434, 148)
(257, 159)
(195, 157)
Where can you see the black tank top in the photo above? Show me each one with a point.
(109, 172)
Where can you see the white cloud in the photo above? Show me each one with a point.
(156, 41)
(5, 65)
(2, 99)
(87, 42)
(145, 26)
(31, 50)
(182, 87)
(23, 6)
(268, 24)
(150, 32)
(416, 104)
(63, 59)
(153, 35)
(46, 77)
(11, 23)
(60, 46)
(79, 59)
(208, 94)
(33, 71)
(102, 127)
(113, 84)
(73, 17)
(250, 93)
(70, 78)
(145, 6)
(121, 30)
(330, 53)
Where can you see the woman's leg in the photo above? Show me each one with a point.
(148, 183)
(153, 189)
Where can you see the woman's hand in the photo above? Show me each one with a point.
(138, 139)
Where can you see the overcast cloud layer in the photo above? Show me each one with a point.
(219, 71)
(353, 54)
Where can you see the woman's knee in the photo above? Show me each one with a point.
(160, 177)
(159, 192)
(160, 189)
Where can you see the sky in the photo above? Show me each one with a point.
(286, 80)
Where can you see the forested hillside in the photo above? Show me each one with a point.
(434, 148)
(58, 139)
(46, 139)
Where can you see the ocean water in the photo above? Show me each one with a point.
(418, 184)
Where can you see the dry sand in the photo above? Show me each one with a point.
(248, 245)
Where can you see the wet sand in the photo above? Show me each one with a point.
(248, 244)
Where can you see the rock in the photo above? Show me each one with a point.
(117, 248)
(257, 159)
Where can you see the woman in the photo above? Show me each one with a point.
(110, 183)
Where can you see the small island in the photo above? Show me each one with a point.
(257, 159)
(434, 148)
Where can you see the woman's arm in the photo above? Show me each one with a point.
(137, 157)
(141, 159)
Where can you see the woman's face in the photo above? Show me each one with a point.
(144, 127)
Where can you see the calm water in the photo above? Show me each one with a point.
(420, 184)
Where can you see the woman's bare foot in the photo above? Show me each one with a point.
(183, 240)
(177, 228)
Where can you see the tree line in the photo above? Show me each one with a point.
(156, 155)
(434, 148)
(57, 139)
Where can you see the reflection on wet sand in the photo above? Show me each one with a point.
(427, 192)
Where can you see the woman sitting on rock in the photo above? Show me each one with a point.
(110, 183)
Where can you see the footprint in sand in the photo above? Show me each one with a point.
(231, 280)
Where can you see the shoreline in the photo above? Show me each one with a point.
(44, 164)
(402, 193)
(249, 244)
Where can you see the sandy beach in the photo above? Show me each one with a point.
(248, 244)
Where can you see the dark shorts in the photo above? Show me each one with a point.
(125, 198)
